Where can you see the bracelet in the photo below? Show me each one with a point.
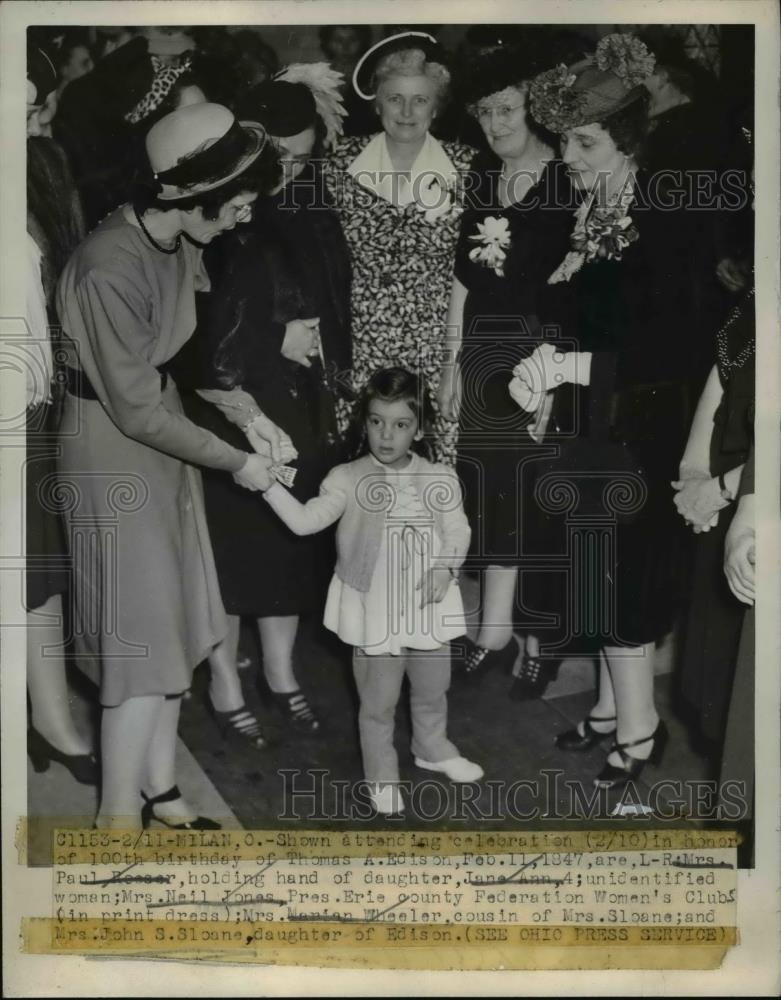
(725, 493)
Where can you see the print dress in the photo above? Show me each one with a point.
(402, 264)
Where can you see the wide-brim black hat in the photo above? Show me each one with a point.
(367, 64)
(282, 108)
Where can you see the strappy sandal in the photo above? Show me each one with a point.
(612, 776)
(579, 742)
(533, 678)
(297, 710)
(478, 660)
(240, 725)
(148, 813)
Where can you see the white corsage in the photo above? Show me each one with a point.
(435, 199)
(494, 235)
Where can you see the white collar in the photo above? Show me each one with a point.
(373, 169)
(396, 472)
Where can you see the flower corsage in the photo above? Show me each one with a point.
(605, 232)
(494, 235)
(436, 199)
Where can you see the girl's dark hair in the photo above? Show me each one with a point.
(628, 127)
(393, 385)
(261, 177)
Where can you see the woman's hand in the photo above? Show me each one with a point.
(254, 474)
(740, 552)
(269, 440)
(434, 585)
(301, 341)
(698, 499)
(547, 368)
(449, 393)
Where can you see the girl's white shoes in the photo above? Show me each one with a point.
(387, 798)
(456, 768)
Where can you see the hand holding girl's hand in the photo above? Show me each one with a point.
(434, 585)
(301, 341)
(255, 473)
(269, 440)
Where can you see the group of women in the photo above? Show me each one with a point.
(221, 321)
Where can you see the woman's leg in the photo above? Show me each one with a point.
(496, 626)
(127, 731)
(631, 673)
(277, 637)
(46, 682)
(224, 684)
(605, 706)
(161, 762)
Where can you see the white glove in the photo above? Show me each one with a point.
(525, 397)
(548, 368)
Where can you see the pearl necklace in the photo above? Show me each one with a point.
(151, 239)
(721, 340)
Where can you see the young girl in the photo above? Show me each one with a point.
(401, 539)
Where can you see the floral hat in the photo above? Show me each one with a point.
(595, 88)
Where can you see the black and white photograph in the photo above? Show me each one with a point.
(353, 355)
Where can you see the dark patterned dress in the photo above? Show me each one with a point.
(402, 266)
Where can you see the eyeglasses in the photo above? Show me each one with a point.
(503, 112)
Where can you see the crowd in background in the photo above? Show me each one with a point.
(279, 317)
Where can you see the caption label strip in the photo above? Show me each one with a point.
(395, 899)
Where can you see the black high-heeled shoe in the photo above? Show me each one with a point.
(240, 725)
(612, 776)
(83, 766)
(533, 678)
(297, 710)
(478, 660)
(579, 742)
(148, 813)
